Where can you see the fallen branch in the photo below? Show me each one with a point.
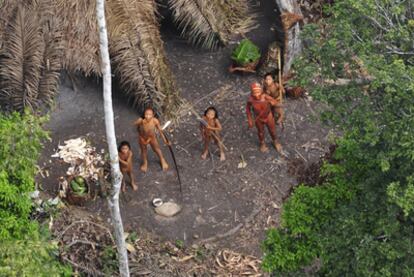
(93, 272)
(233, 230)
(344, 82)
(60, 235)
(92, 244)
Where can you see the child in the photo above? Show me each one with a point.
(262, 108)
(146, 127)
(213, 127)
(125, 163)
(274, 90)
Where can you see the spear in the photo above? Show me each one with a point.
(279, 64)
(171, 151)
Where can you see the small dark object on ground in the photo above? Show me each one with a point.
(295, 92)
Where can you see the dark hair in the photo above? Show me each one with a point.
(213, 109)
(123, 143)
(268, 74)
(146, 109)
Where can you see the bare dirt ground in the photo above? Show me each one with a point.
(226, 206)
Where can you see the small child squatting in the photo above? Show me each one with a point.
(146, 127)
(125, 163)
(213, 126)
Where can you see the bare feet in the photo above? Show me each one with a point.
(204, 155)
(164, 165)
(263, 148)
(277, 146)
(144, 167)
(134, 186)
(222, 156)
(123, 187)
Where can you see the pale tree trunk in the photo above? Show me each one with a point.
(113, 199)
(293, 43)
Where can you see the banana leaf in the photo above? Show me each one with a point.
(246, 52)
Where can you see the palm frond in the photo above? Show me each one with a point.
(21, 60)
(6, 11)
(153, 48)
(138, 55)
(236, 16)
(52, 56)
(80, 36)
(130, 64)
(211, 23)
(197, 21)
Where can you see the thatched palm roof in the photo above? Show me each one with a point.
(38, 38)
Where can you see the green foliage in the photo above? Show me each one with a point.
(360, 221)
(30, 258)
(109, 260)
(246, 52)
(20, 143)
(23, 249)
(179, 243)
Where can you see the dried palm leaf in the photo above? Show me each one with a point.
(236, 16)
(198, 22)
(136, 47)
(52, 33)
(21, 60)
(153, 48)
(6, 11)
(80, 36)
(211, 23)
(130, 64)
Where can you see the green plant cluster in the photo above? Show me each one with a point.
(246, 52)
(360, 221)
(78, 186)
(23, 248)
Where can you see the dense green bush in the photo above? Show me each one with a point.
(360, 221)
(23, 249)
(30, 258)
(20, 143)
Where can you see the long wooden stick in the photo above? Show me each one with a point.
(279, 64)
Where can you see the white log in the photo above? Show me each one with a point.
(113, 199)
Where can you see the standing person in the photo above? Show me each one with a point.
(276, 91)
(213, 126)
(262, 108)
(146, 127)
(125, 163)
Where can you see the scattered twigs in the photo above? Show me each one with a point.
(238, 264)
(181, 148)
(93, 272)
(87, 222)
(218, 90)
(300, 155)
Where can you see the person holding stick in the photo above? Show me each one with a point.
(262, 104)
(211, 125)
(276, 91)
(146, 126)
